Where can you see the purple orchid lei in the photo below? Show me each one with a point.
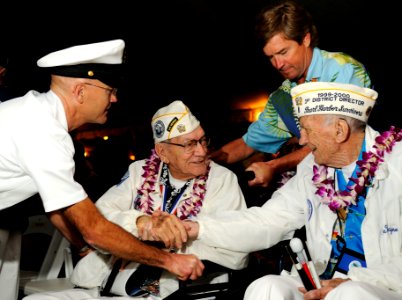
(190, 206)
(368, 166)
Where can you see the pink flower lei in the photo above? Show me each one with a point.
(191, 205)
(368, 166)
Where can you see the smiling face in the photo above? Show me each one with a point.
(290, 58)
(319, 135)
(183, 164)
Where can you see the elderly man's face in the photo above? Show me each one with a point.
(319, 136)
(183, 164)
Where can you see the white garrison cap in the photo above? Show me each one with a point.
(173, 120)
(100, 61)
(333, 98)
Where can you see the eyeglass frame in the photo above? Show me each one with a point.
(112, 91)
(191, 144)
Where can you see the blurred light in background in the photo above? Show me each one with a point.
(248, 108)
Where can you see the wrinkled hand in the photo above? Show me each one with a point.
(264, 174)
(186, 266)
(192, 229)
(164, 227)
(326, 287)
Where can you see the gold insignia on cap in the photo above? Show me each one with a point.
(299, 101)
(181, 128)
(90, 73)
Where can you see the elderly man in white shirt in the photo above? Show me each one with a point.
(347, 193)
(177, 180)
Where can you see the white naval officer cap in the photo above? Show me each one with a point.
(102, 61)
(173, 120)
(350, 100)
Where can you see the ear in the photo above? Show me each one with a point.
(79, 92)
(160, 149)
(342, 130)
(307, 40)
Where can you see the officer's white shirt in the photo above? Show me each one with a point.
(296, 204)
(36, 152)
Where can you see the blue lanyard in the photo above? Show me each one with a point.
(171, 195)
(356, 213)
(351, 237)
(170, 200)
(339, 175)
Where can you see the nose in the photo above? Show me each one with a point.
(113, 98)
(200, 148)
(277, 62)
(303, 138)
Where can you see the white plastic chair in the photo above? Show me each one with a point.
(10, 251)
(58, 254)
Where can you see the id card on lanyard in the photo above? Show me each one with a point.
(348, 258)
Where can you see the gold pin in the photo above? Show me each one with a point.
(181, 128)
(90, 73)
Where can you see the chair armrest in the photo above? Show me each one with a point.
(203, 287)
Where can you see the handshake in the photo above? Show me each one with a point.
(166, 228)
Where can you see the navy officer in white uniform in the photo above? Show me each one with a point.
(36, 156)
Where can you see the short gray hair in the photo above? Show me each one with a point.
(355, 125)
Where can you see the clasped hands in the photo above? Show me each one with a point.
(164, 227)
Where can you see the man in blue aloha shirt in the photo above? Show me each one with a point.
(289, 39)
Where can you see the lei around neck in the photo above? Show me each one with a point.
(189, 206)
(368, 165)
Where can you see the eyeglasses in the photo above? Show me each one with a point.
(112, 91)
(190, 146)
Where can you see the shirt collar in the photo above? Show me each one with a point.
(315, 68)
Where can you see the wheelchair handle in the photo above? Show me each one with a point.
(250, 175)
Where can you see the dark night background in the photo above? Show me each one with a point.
(200, 51)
